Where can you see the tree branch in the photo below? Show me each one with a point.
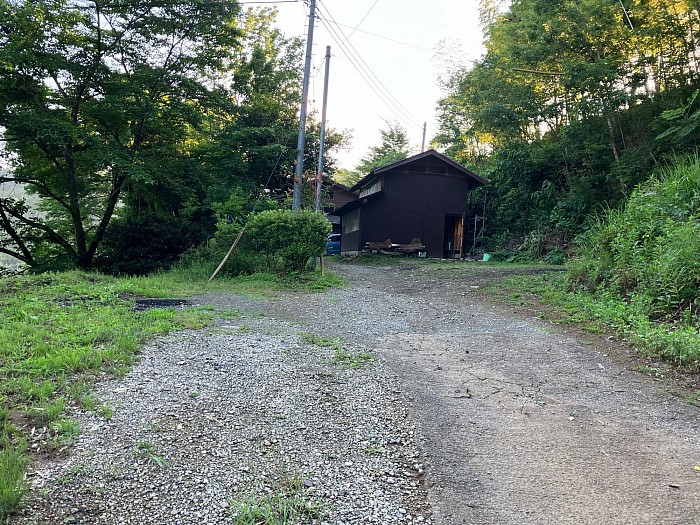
(26, 255)
(55, 237)
(117, 183)
(38, 184)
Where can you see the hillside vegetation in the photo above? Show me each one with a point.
(574, 104)
(648, 253)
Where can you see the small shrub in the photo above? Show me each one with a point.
(555, 256)
(13, 486)
(288, 239)
(244, 260)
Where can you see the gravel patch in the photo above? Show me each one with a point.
(211, 420)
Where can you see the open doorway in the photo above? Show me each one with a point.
(454, 233)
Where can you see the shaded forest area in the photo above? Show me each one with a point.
(572, 106)
(148, 123)
(141, 124)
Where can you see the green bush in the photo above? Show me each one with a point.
(244, 260)
(148, 243)
(652, 246)
(648, 254)
(555, 256)
(288, 239)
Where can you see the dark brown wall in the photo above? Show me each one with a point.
(341, 197)
(414, 205)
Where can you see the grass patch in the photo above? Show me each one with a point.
(285, 505)
(13, 487)
(604, 312)
(63, 434)
(374, 450)
(275, 509)
(145, 450)
(313, 339)
(642, 262)
(372, 259)
(352, 361)
(340, 356)
(270, 284)
(60, 330)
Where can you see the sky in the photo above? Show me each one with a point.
(394, 43)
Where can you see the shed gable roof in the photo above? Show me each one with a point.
(429, 154)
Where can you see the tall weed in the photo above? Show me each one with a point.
(648, 254)
(13, 486)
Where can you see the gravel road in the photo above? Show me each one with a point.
(468, 414)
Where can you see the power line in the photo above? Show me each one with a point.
(381, 36)
(369, 76)
(363, 75)
(363, 18)
(368, 69)
(370, 82)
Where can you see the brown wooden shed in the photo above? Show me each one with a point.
(337, 196)
(422, 197)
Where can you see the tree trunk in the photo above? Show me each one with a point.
(112, 201)
(74, 203)
(612, 138)
(25, 256)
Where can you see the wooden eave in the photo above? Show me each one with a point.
(358, 203)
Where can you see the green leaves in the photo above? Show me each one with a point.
(682, 122)
(393, 148)
(293, 237)
(105, 96)
(650, 248)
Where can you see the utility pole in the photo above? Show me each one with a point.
(422, 146)
(319, 173)
(299, 173)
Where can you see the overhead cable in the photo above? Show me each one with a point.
(366, 67)
(368, 75)
(355, 29)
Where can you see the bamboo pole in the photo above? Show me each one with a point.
(228, 254)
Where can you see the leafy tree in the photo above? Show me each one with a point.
(256, 145)
(573, 104)
(394, 147)
(98, 97)
(139, 245)
(346, 177)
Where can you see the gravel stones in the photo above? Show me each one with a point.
(211, 419)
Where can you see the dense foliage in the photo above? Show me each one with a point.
(393, 147)
(650, 249)
(574, 103)
(288, 239)
(143, 244)
(142, 111)
(97, 98)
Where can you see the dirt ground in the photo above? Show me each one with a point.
(520, 422)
